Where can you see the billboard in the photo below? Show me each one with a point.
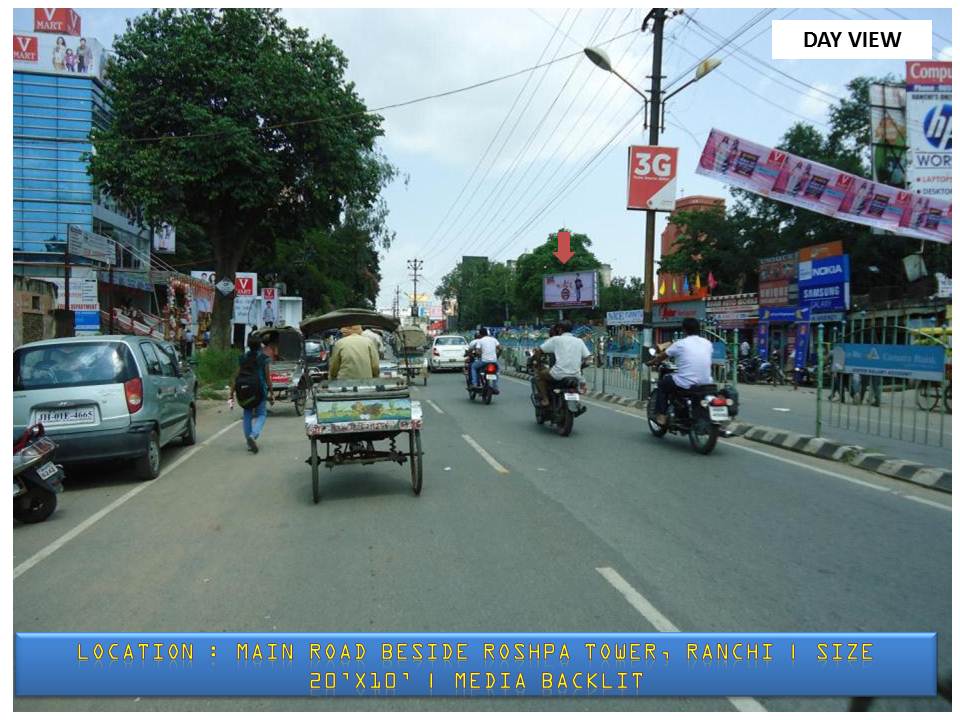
(63, 55)
(916, 362)
(652, 177)
(794, 180)
(245, 289)
(570, 290)
(624, 317)
(930, 129)
(60, 21)
(90, 245)
(83, 289)
(888, 134)
(776, 275)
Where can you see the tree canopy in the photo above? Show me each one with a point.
(242, 127)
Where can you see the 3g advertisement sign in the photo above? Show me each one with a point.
(652, 177)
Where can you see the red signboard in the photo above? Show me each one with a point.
(243, 285)
(652, 177)
(62, 21)
(25, 48)
(270, 294)
(929, 72)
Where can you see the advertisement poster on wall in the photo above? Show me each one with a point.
(570, 290)
(60, 54)
(795, 180)
(245, 289)
(930, 129)
(888, 132)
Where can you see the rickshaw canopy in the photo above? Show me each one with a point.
(346, 317)
(285, 338)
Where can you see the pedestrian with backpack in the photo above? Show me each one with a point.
(251, 389)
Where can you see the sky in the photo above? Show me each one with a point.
(494, 170)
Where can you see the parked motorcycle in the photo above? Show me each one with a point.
(564, 397)
(747, 369)
(36, 478)
(701, 413)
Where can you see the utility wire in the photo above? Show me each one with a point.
(490, 145)
(391, 106)
(488, 229)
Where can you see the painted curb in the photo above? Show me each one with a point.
(824, 448)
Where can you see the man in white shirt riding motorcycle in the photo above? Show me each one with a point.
(692, 356)
(570, 352)
(486, 350)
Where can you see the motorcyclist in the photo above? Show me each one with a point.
(692, 356)
(570, 351)
(486, 350)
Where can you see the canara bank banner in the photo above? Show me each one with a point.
(804, 183)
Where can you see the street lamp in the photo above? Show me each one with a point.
(601, 60)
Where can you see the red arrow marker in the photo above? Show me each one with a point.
(563, 252)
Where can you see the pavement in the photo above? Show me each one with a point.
(750, 538)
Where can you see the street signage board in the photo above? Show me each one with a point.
(59, 21)
(89, 245)
(930, 129)
(570, 290)
(914, 362)
(225, 287)
(826, 298)
(786, 314)
(624, 317)
(652, 177)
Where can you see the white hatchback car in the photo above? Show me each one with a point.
(448, 353)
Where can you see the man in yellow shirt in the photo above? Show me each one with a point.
(354, 356)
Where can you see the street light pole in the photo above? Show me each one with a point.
(659, 16)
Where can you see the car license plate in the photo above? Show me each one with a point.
(70, 416)
(719, 413)
(47, 470)
(571, 396)
(491, 377)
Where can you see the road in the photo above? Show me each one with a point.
(524, 537)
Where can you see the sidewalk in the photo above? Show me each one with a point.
(796, 411)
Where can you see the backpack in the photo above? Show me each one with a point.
(248, 387)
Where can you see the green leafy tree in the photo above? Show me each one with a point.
(622, 294)
(234, 123)
(483, 291)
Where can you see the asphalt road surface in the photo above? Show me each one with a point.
(532, 534)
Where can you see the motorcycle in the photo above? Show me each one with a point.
(564, 397)
(36, 478)
(747, 369)
(701, 413)
(486, 376)
(770, 371)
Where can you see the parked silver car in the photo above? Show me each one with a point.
(105, 398)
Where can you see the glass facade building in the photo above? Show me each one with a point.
(53, 116)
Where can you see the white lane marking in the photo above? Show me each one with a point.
(662, 624)
(931, 503)
(491, 461)
(103, 512)
(436, 407)
(781, 409)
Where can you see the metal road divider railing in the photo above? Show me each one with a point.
(909, 410)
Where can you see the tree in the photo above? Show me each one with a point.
(233, 122)
(532, 266)
(622, 294)
(482, 289)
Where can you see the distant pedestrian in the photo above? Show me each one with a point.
(745, 349)
(251, 390)
(187, 350)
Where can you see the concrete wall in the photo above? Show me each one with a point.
(33, 304)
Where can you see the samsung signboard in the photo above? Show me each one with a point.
(824, 284)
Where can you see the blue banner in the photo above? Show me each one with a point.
(801, 346)
(475, 664)
(624, 317)
(824, 271)
(763, 332)
(86, 320)
(915, 362)
(785, 314)
(719, 351)
(825, 298)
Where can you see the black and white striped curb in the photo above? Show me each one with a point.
(926, 475)
(932, 477)
(606, 397)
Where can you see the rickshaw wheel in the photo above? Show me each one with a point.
(315, 470)
(416, 462)
(298, 406)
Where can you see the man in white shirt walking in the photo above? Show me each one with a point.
(488, 348)
(692, 356)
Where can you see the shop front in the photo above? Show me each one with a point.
(669, 316)
(734, 312)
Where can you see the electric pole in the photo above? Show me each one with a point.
(396, 303)
(659, 16)
(415, 266)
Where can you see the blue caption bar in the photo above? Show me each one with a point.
(475, 664)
